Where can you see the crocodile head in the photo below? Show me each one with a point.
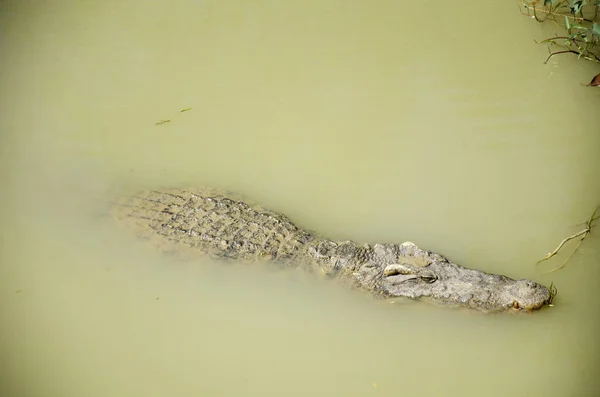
(407, 271)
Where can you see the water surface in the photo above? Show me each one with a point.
(372, 121)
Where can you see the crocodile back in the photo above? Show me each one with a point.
(213, 222)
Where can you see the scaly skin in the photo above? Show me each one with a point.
(221, 225)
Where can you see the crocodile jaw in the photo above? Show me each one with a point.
(407, 271)
(459, 286)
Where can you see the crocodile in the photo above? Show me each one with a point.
(223, 225)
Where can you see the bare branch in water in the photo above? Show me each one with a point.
(589, 224)
(560, 52)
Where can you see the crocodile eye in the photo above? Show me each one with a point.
(429, 279)
(516, 304)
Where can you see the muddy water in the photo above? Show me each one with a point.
(383, 121)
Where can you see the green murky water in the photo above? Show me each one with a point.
(371, 121)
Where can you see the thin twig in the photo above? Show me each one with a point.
(559, 52)
(566, 240)
(572, 253)
(582, 233)
(552, 39)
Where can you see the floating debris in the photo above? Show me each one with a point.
(164, 121)
(582, 234)
(595, 81)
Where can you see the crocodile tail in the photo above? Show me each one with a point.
(213, 223)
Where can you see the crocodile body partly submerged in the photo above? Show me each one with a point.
(221, 225)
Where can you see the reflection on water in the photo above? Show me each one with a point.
(340, 116)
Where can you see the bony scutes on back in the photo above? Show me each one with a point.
(407, 271)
